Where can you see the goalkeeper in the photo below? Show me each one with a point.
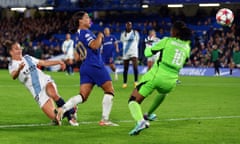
(175, 50)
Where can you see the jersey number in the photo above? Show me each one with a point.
(178, 57)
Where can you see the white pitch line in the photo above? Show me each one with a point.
(124, 121)
(24, 125)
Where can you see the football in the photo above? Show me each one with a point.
(224, 17)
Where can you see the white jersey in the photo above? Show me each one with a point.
(149, 42)
(130, 44)
(68, 49)
(31, 76)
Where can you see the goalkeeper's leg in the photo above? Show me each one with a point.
(157, 101)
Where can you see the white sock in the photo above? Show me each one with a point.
(107, 106)
(72, 102)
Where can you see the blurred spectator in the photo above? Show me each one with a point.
(36, 33)
(215, 59)
(235, 59)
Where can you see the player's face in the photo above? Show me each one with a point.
(106, 31)
(129, 26)
(85, 21)
(68, 36)
(152, 34)
(16, 51)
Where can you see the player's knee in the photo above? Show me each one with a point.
(109, 93)
(132, 98)
(84, 97)
(55, 97)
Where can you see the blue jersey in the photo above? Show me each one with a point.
(108, 49)
(92, 69)
(93, 56)
(109, 45)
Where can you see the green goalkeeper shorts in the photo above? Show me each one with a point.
(159, 78)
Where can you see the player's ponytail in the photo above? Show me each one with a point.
(8, 44)
(182, 31)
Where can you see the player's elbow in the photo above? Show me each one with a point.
(147, 52)
(95, 45)
(14, 77)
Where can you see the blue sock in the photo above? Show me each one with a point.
(70, 69)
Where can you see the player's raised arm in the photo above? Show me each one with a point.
(51, 63)
(148, 52)
(96, 43)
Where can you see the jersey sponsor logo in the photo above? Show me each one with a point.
(30, 69)
(108, 43)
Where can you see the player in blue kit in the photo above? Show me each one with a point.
(92, 70)
(110, 46)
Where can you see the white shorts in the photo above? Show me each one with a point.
(43, 97)
(130, 55)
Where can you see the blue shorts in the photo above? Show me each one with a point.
(106, 60)
(94, 74)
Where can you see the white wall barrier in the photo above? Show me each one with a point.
(187, 71)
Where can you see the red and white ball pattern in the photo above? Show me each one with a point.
(225, 17)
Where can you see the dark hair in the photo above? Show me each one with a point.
(182, 31)
(8, 44)
(75, 20)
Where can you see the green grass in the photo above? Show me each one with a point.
(201, 110)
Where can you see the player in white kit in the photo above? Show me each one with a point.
(41, 86)
(150, 41)
(130, 39)
(68, 50)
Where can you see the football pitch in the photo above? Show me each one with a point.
(201, 110)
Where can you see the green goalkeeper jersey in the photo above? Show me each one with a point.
(164, 73)
(174, 52)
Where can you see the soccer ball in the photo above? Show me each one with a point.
(224, 17)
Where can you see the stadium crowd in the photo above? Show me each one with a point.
(37, 35)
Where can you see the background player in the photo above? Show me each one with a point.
(110, 46)
(130, 39)
(68, 50)
(41, 86)
(162, 76)
(92, 70)
(150, 41)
